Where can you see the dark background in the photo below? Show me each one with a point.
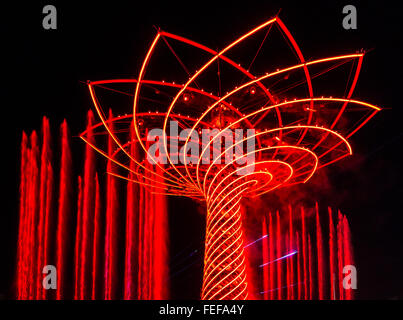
(42, 70)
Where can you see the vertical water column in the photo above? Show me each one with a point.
(304, 254)
(279, 253)
(85, 224)
(265, 258)
(140, 246)
(21, 275)
(32, 221)
(310, 268)
(271, 256)
(340, 254)
(78, 235)
(348, 256)
(63, 236)
(45, 199)
(291, 248)
(131, 265)
(96, 244)
(111, 225)
(159, 243)
(299, 267)
(332, 258)
(320, 260)
(144, 237)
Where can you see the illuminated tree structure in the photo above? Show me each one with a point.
(291, 128)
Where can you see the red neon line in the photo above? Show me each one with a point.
(212, 249)
(350, 92)
(354, 131)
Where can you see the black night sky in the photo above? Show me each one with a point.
(45, 70)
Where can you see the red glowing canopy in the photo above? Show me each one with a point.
(294, 137)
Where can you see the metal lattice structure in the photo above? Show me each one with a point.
(293, 137)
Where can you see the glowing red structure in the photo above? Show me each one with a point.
(298, 127)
